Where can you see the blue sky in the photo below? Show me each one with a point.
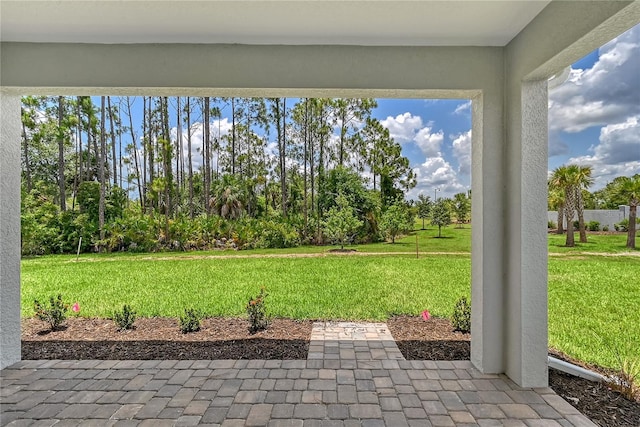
(594, 119)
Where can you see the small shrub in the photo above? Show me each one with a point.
(576, 225)
(124, 318)
(593, 226)
(622, 225)
(190, 321)
(54, 314)
(605, 228)
(257, 314)
(551, 225)
(627, 381)
(461, 318)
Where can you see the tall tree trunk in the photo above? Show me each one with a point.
(179, 152)
(631, 234)
(63, 197)
(569, 210)
(113, 142)
(80, 160)
(343, 134)
(168, 174)
(144, 151)
(233, 136)
(580, 210)
(283, 182)
(96, 149)
(189, 158)
(120, 162)
(281, 156)
(312, 157)
(249, 175)
(206, 155)
(101, 158)
(305, 160)
(151, 146)
(135, 155)
(27, 162)
(90, 142)
(560, 229)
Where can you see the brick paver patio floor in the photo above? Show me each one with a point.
(354, 376)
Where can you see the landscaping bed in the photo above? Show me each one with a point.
(228, 338)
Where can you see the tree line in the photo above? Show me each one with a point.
(124, 173)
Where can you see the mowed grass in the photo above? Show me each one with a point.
(332, 287)
(593, 300)
(594, 308)
(596, 243)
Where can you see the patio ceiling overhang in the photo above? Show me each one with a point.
(297, 22)
(499, 54)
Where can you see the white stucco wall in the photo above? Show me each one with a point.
(606, 217)
(9, 230)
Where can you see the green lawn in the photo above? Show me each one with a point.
(593, 300)
(332, 287)
(609, 243)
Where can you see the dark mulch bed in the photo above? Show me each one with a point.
(432, 340)
(220, 338)
(160, 338)
(603, 406)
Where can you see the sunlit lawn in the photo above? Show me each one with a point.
(593, 300)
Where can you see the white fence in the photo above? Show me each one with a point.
(606, 217)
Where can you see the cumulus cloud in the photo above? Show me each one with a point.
(609, 92)
(429, 142)
(462, 151)
(403, 127)
(435, 172)
(618, 152)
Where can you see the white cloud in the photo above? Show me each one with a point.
(434, 173)
(617, 154)
(463, 108)
(217, 128)
(403, 127)
(462, 151)
(609, 92)
(430, 143)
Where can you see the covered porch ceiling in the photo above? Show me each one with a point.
(293, 22)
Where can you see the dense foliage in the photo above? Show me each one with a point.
(107, 174)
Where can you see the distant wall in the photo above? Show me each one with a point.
(605, 217)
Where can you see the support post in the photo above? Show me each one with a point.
(526, 230)
(9, 229)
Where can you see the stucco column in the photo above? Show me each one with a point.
(487, 240)
(526, 254)
(9, 230)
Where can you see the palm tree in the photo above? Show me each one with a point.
(583, 181)
(629, 189)
(227, 201)
(565, 177)
(556, 202)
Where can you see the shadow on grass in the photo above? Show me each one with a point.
(265, 349)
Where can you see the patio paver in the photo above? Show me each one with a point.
(354, 376)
